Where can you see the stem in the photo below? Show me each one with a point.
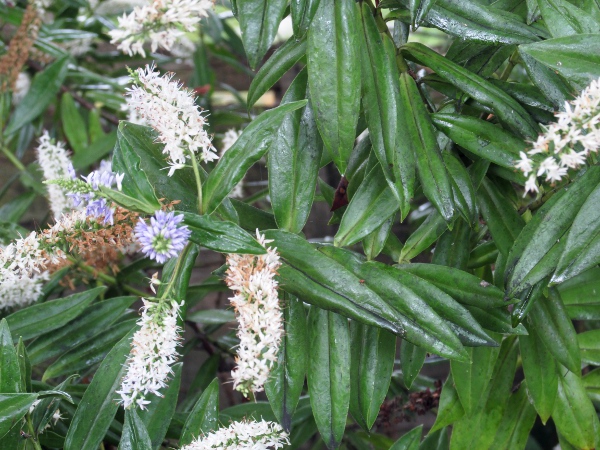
(176, 270)
(198, 182)
(13, 159)
(509, 67)
(36, 444)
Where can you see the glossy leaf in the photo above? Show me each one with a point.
(588, 344)
(329, 373)
(508, 110)
(97, 408)
(248, 149)
(565, 19)
(10, 373)
(334, 75)
(12, 409)
(555, 329)
(44, 317)
(44, 87)
(275, 67)
(73, 124)
(573, 57)
(411, 360)
(259, 21)
(518, 419)
(372, 205)
(374, 242)
(574, 414)
(135, 436)
(423, 237)
(450, 409)
(294, 160)
(410, 440)
(286, 380)
(431, 168)
(372, 362)
(203, 416)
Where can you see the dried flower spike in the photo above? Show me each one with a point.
(243, 435)
(567, 143)
(256, 302)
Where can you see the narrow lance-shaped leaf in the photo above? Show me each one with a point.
(203, 416)
(334, 75)
(303, 12)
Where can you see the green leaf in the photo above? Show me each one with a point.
(44, 87)
(319, 280)
(10, 372)
(286, 381)
(555, 329)
(73, 124)
(475, 22)
(45, 409)
(211, 316)
(13, 408)
(460, 285)
(436, 441)
(294, 161)
(99, 148)
(541, 238)
(508, 110)
(491, 406)
(329, 373)
(374, 242)
(127, 202)
(410, 440)
(127, 159)
(259, 21)
(573, 57)
(98, 407)
(579, 295)
(371, 205)
(518, 419)
(540, 372)
(93, 321)
(334, 75)
(203, 416)
(565, 19)
(424, 236)
(13, 210)
(248, 149)
(381, 104)
(411, 360)
(420, 306)
(501, 216)
(574, 414)
(418, 10)
(88, 353)
(158, 414)
(450, 409)
(472, 378)
(462, 188)
(276, 66)
(204, 376)
(44, 317)
(583, 241)
(497, 320)
(303, 12)
(24, 367)
(420, 135)
(135, 436)
(372, 363)
(221, 236)
(589, 346)
(481, 138)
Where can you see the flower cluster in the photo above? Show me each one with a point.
(55, 163)
(229, 138)
(162, 22)
(567, 143)
(170, 109)
(243, 435)
(252, 277)
(153, 352)
(164, 238)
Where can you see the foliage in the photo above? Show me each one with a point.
(406, 119)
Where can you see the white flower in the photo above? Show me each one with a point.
(243, 435)
(252, 277)
(55, 164)
(22, 86)
(229, 138)
(170, 109)
(163, 22)
(566, 143)
(153, 352)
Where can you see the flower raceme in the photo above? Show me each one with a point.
(241, 436)
(252, 278)
(162, 22)
(163, 238)
(171, 110)
(567, 143)
(153, 352)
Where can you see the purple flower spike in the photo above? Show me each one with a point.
(163, 238)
